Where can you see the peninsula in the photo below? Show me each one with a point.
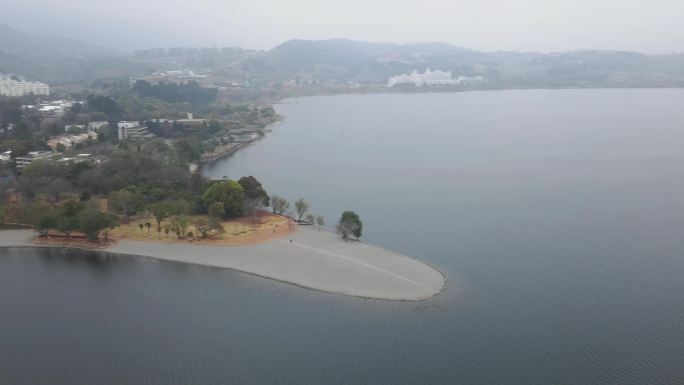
(306, 257)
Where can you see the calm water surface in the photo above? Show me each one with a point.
(557, 216)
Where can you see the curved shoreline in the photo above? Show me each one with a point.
(316, 260)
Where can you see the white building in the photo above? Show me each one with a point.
(96, 126)
(78, 159)
(132, 130)
(53, 109)
(6, 156)
(23, 161)
(431, 78)
(12, 87)
(191, 121)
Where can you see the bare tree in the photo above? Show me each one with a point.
(310, 218)
(302, 207)
(202, 226)
(279, 204)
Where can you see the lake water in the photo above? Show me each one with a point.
(557, 217)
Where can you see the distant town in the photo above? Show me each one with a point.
(432, 79)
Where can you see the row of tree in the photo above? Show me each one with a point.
(281, 206)
(349, 226)
(76, 216)
(190, 92)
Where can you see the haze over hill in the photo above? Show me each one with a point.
(16, 42)
(346, 60)
(651, 26)
(60, 60)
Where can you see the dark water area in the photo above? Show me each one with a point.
(557, 217)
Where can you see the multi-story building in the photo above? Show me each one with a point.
(432, 78)
(132, 130)
(96, 126)
(12, 86)
(191, 121)
(23, 161)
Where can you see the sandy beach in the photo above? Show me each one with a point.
(309, 258)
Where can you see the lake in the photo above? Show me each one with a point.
(557, 217)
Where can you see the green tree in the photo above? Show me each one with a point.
(302, 207)
(267, 112)
(349, 225)
(279, 205)
(125, 203)
(71, 208)
(180, 206)
(320, 221)
(254, 191)
(188, 150)
(92, 222)
(106, 105)
(179, 224)
(160, 211)
(67, 224)
(57, 187)
(85, 196)
(230, 193)
(33, 213)
(47, 222)
(216, 210)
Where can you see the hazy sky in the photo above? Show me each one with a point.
(524, 25)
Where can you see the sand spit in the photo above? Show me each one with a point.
(308, 258)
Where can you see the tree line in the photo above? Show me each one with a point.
(190, 92)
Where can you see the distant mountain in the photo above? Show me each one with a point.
(26, 44)
(343, 60)
(354, 61)
(349, 49)
(58, 60)
(334, 61)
